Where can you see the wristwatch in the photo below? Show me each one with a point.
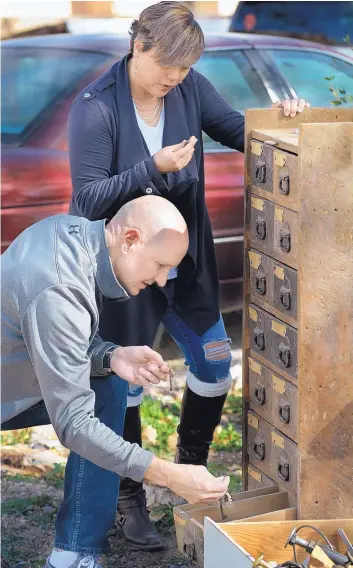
(107, 359)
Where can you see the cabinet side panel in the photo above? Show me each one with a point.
(326, 321)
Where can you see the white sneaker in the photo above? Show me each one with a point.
(82, 561)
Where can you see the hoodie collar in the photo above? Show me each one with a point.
(98, 251)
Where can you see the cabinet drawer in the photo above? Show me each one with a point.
(273, 340)
(261, 224)
(274, 230)
(285, 174)
(273, 398)
(257, 479)
(284, 462)
(259, 442)
(273, 282)
(261, 165)
(285, 235)
(285, 289)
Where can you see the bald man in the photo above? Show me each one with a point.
(55, 367)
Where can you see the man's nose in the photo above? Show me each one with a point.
(162, 278)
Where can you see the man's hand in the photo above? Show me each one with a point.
(192, 482)
(292, 107)
(175, 158)
(139, 365)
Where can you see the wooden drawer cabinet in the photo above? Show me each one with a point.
(298, 308)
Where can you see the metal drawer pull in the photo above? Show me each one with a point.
(284, 185)
(260, 284)
(260, 229)
(285, 240)
(260, 172)
(260, 394)
(284, 412)
(259, 338)
(284, 355)
(285, 298)
(283, 469)
(259, 450)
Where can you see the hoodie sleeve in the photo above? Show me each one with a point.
(58, 342)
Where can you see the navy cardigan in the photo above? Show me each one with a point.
(110, 165)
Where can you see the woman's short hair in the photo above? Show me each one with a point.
(170, 28)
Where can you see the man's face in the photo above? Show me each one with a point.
(142, 264)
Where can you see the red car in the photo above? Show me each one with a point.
(42, 75)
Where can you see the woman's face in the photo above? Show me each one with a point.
(155, 78)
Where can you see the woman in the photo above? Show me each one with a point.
(138, 130)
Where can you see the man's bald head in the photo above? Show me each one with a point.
(146, 238)
(150, 214)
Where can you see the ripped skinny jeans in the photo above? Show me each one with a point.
(208, 357)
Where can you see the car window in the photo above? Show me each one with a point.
(306, 72)
(232, 75)
(34, 80)
(324, 21)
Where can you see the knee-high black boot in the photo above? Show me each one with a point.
(132, 514)
(198, 420)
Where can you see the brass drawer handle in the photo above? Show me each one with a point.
(259, 339)
(259, 450)
(284, 185)
(285, 297)
(283, 469)
(260, 172)
(285, 355)
(260, 394)
(285, 240)
(260, 229)
(260, 285)
(284, 412)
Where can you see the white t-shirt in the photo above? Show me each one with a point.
(153, 136)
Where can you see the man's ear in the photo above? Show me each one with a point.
(132, 237)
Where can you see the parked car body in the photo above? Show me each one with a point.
(42, 75)
(325, 22)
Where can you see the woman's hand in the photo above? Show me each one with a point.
(175, 158)
(139, 365)
(292, 107)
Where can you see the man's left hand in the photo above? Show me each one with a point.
(139, 365)
(292, 107)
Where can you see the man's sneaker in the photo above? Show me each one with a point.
(82, 561)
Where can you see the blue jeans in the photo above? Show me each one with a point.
(208, 357)
(88, 510)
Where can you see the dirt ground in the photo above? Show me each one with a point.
(29, 507)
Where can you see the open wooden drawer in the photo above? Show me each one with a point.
(267, 503)
(237, 545)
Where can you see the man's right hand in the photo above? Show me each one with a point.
(139, 365)
(192, 482)
(175, 158)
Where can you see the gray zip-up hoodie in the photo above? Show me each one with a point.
(53, 275)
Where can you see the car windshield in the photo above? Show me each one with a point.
(306, 72)
(236, 81)
(323, 21)
(34, 81)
